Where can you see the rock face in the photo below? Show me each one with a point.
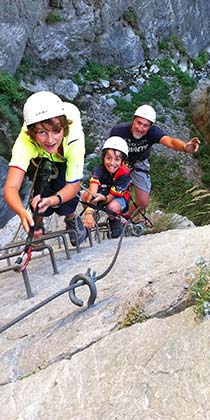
(200, 108)
(75, 363)
(122, 33)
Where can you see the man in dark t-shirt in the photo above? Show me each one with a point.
(140, 135)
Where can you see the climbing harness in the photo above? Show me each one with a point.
(51, 173)
(48, 171)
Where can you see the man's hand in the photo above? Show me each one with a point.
(192, 145)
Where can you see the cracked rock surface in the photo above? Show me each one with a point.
(65, 362)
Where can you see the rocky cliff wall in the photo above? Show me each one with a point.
(122, 33)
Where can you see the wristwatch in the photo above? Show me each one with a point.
(59, 203)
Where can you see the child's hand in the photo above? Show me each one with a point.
(99, 197)
(89, 220)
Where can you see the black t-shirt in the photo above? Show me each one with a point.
(139, 149)
(117, 184)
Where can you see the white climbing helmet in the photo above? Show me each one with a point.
(41, 106)
(116, 143)
(146, 111)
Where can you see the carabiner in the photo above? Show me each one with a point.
(19, 263)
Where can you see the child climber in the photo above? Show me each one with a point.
(51, 140)
(109, 184)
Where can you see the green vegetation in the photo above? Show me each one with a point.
(52, 18)
(94, 162)
(167, 180)
(172, 43)
(25, 67)
(156, 90)
(166, 66)
(180, 78)
(204, 150)
(200, 291)
(204, 162)
(174, 193)
(89, 145)
(187, 84)
(11, 88)
(78, 79)
(161, 221)
(134, 315)
(164, 44)
(94, 71)
(194, 204)
(11, 94)
(7, 114)
(131, 18)
(200, 61)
